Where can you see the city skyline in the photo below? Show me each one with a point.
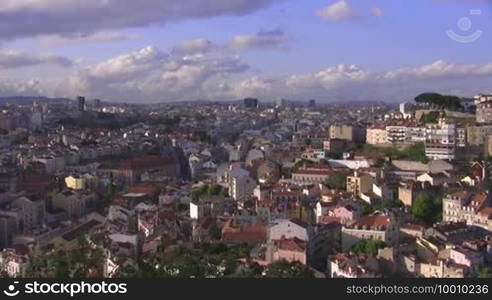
(168, 50)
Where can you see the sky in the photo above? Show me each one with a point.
(174, 50)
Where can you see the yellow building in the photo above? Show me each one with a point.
(477, 135)
(75, 182)
(376, 135)
(360, 183)
(341, 132)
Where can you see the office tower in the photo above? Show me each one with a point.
(81, 101)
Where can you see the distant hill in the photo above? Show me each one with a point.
(26, 100)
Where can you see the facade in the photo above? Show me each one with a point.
(397, 134)
(376, 135)
(352, 266)
(484, 112)
(342, 132)
(441, 141)
(32, 213)
(311, 175)
(472, 208)
(291, 250)
(81, 103)
(360, 183)
(376, 227)
(74, 204)
(477, 135)
(251, 103)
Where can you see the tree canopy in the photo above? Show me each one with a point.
(427, 208)
(368, 247)
(440, 101)
(285, 269)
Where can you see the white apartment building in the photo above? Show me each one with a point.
(441, 141)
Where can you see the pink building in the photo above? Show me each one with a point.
(345, 213)
(291, 250)
(466, 257)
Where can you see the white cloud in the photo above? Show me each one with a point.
(273, 39)
(30, 87)
(155, 75)
(80, 38)
(65, 17)
(208, 71)
(11, 59)
(338, 11)
(194, 47)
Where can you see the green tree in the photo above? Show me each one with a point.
(215, 232)
(214, 190)
(285, 269)
(484, 273)
(368, 247)
(337, 180)
(426, 208)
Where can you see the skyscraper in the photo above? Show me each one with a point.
(81, 101)
(251, 102)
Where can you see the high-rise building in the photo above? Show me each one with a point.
(81, 102)
(312, 103)
(251, 102)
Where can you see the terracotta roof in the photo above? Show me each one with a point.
(293, 244)
(78, 231)
(329, 220)
(249, 234)
(372, 222)
(486, 211)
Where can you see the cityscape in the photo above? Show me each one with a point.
(235, 156)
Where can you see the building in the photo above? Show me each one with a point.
(290, 249)
(441, 141)
(376, 227)
(8, 227)
(81, 103)
(376, 135)
(251, 103)
(343, 265)
(32, 213)
(360, 183)
(487, 151)
(75, 182)
(480, 98)
(484, 112)
(14, 261)
(212, 206)
(476, 135)
(405, 109)
(241, 185)
(474, 208)
(311, 175)
(397, 134)
(75, 204)
(342, 132)
(289, 229)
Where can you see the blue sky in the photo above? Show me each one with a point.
(329, 50)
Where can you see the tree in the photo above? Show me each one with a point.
(368, 247)
(440, 101)
(426, 208)
(215, 232)
(484, 273)
(285, 269)
(214, 190)
(337, 180)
